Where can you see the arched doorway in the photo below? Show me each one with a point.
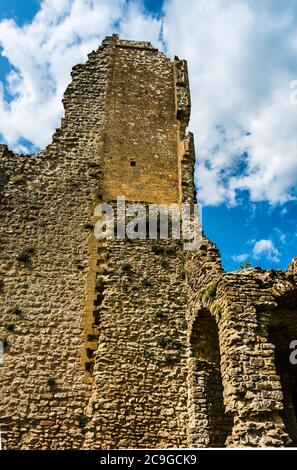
(210, 424)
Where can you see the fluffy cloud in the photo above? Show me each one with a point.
(43, 53)
(242, 58)
(240, 258)
(266, 249)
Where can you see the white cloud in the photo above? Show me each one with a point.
(135, 24)
(280, 235)
(242, 58)
(267, 249)
(240, 258)
(42, 54)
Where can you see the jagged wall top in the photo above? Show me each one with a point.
(118, 96)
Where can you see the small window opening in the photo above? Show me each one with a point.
(133, 163)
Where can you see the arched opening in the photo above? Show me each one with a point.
(210, 424)
(282, 331)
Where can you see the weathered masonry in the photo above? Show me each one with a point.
(131, 343)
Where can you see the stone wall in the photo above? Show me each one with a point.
(131, 343)
(79, 371)
(140, 154)
(139, 396)
(257, 386)
(46, 204)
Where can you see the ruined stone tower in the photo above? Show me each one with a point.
(131, 343)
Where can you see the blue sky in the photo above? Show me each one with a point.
(20, 10)
(242, 63)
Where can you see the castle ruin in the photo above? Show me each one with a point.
(117, 343)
